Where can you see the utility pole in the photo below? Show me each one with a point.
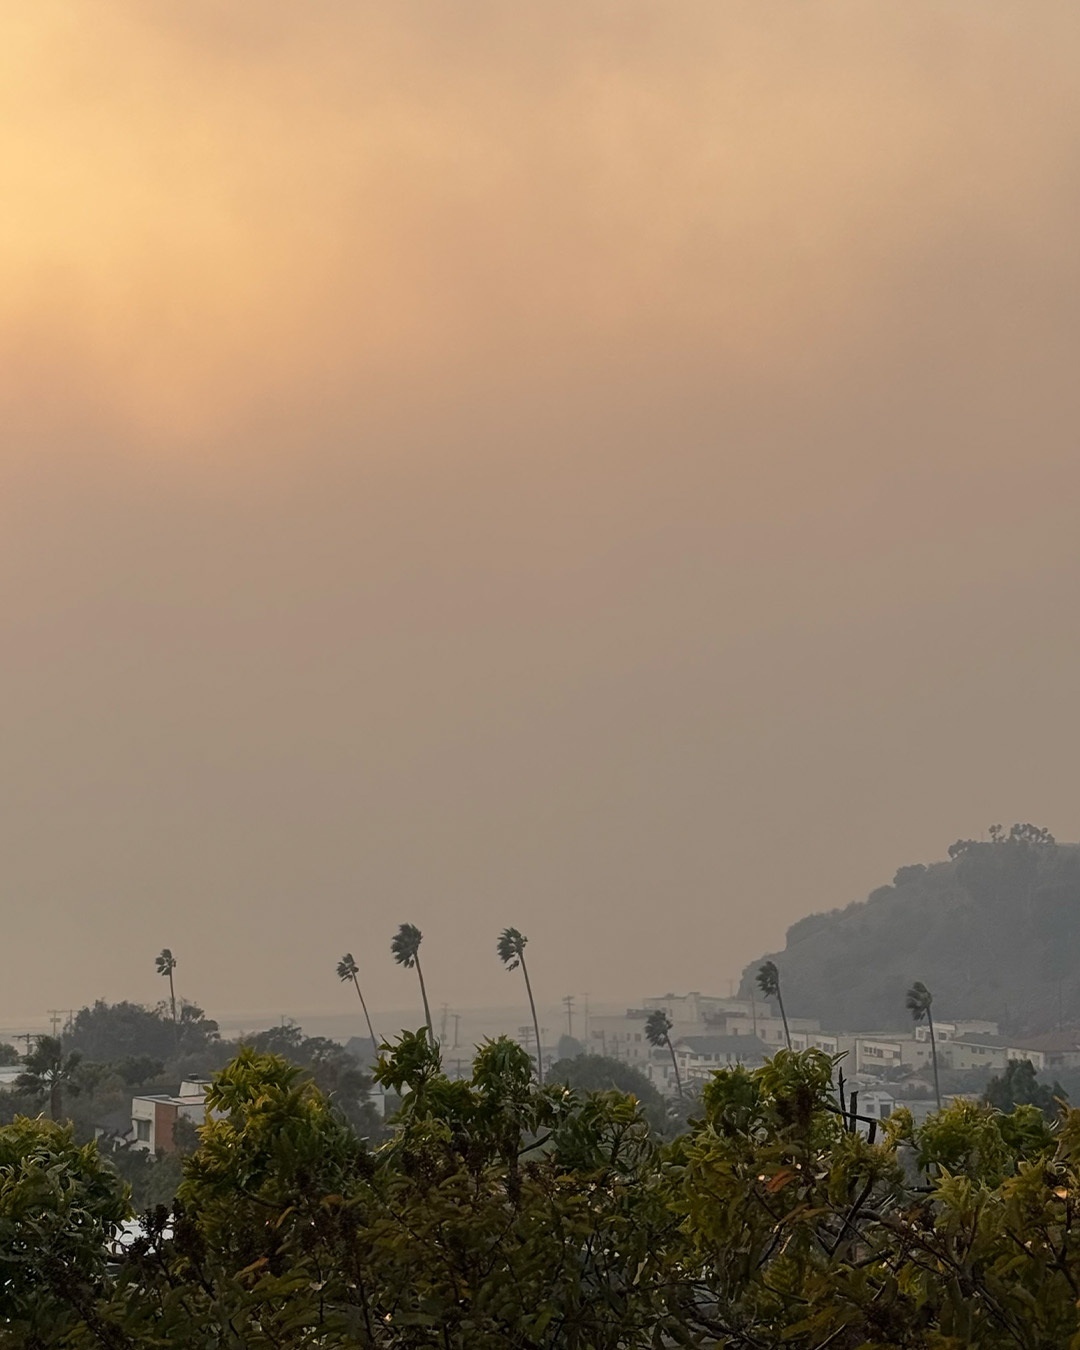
(587, 1024)
(442, 1025)
(457, 1024)
(568, 1003)
(55, 1014)
(526, 1035)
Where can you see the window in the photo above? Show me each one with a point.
(142, 1130)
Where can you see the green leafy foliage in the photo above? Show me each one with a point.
(1019, 1086)
(502, 1215)
(59, 1206)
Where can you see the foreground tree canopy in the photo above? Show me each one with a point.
(504, 1214)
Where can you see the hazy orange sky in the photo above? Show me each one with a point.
(598, 466)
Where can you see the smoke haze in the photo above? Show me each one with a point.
(605, 468)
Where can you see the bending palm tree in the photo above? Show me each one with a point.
(48, 1073)
(919, 999)
(166, 964)
(406, 949)
(658, 1032)
(347, 969)
(768, 978)
(511, 949)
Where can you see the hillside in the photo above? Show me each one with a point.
(994, 932)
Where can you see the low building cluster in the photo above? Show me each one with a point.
(709, 1033)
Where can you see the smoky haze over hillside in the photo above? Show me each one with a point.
(608, 469)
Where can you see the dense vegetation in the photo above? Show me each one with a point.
(501, 1215)
(994, 931)
(111, 1052)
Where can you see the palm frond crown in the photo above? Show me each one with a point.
(511, 947)
(347, 968)
(919, 999)
(657, 1026)
(166, 962)
(406, 944)
(768, 979)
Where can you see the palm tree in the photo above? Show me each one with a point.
(347, 969)
(511, 949)
(919, 999)
(768, 978)
(658, 1032)
(48, 1073)
(406, 949)
(166, 964)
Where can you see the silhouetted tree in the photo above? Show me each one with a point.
(347, 969)
(919, 999)
(166, 964)
(48, 1073)
(405, 947)
(1018, 1086)
(768, 978)
(658, 1032)
(511, 949)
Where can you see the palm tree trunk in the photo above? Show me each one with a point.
(783, 1014)
(423, 995)
(674, 1065)
(536, 1024)
(367, 1018)
(933, 1056)
(172, 996)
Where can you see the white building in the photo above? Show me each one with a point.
(872, 1053)
(698, 1057)
(153, 1116)
(621, 1036)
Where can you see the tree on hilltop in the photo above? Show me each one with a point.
(165, 963)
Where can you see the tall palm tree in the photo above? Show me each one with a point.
(48, 1072)
(511, 949)
(768, 978)
(919, 999)
(347, 969)
(658, 1032)
(406, 949)
(166, 964)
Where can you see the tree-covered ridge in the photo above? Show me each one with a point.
(994, 931)
(505, 1215)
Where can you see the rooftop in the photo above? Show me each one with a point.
(724, 1045)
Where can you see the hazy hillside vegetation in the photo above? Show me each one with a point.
(994, 932)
